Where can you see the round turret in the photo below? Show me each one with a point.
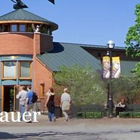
(18, 29)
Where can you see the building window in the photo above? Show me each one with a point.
(0, 28)
(5, 28)
(25, 69)
(42, 88)
(9, 69)
(49, 32)
(13, 28)
(22, 28)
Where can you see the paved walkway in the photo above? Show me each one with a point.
(74, 129)
(43, 121)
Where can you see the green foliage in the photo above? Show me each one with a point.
(126, 87)
(136, 74)
(89, 114)
(125, 114)
(85, 86)
(136, 115)
(29, 29)
(43, 30)
(136, 70)
(133, 49)
(129, 114)
(133, 36)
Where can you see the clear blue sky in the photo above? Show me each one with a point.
(84, 21)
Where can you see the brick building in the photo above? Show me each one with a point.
(20, 43)
(28, 56)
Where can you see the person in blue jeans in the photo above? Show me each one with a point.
(22, 100)
(50, 104)
(29, 103)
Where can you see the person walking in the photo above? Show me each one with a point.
(29, 103)
(22, 100)
(65, 103)
(50, 104)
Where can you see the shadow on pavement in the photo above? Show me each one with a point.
(49, 134)
(4, 135)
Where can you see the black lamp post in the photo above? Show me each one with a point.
(110, 45)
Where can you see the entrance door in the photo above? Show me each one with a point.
(9, 98)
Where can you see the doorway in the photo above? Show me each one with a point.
(9, 98)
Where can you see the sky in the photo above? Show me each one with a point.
(92, 22)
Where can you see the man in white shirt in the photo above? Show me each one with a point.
(22, 100)
(65, 103)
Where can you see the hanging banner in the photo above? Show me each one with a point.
(116, 70)
(106, 67)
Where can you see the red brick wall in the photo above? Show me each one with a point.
(41, 75)
(30, 44)
(36, 43)
(16, 43)
(24, 43)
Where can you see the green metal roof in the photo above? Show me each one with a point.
(127, 66)
(21, 14)
(95, 46)
(64, 54)
(68, 54)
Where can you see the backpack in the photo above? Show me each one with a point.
(34, 97)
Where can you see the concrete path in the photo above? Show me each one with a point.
(74, 129)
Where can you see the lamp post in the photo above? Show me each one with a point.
(110, 45)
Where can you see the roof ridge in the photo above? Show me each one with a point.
(90, 45)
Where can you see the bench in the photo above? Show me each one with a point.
(87, 111)
(133, 111)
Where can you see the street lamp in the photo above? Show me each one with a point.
(110, 45)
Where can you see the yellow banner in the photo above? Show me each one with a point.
(116, 70)
(106, 67)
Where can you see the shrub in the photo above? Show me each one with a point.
(84, 83)
(136, 115)
(130, 114)
(89, 115)
(125, 114)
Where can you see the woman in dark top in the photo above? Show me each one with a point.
(50, 104)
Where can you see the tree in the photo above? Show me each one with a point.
(85, 85)
(133, 36)
(133, 43)
(126, 87)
